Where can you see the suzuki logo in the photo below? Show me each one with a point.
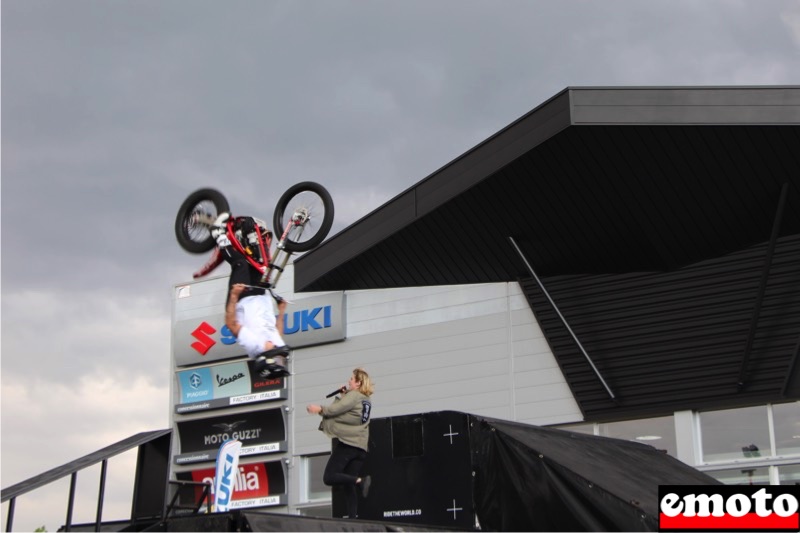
(307, 319)
(204, 342)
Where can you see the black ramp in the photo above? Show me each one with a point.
(242, 520)
(279, 522)
(530, 478)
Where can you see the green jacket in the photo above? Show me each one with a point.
(347, 419)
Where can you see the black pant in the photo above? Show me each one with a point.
(342, 469)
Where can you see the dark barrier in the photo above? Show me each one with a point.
(260, 521)
(420, 468)
(455, 470)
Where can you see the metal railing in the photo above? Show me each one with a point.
(141, 440)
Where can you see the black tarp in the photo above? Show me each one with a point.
(529, 478)
(277, 522)
(244, 520)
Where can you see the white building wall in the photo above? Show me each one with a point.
(475, 348)
(469, 348)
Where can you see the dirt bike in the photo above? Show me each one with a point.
(302, 218)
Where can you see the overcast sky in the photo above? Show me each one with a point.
(113, 112)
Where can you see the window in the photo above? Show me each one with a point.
(745, 445)
(786, 420)
(587, 429)
(656, 432)
(318, 511)
(315, 489)
(742, 476)
(735, 434)
(789, 474)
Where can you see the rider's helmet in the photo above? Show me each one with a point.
(248, 230)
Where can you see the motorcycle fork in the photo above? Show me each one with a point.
(298, 219)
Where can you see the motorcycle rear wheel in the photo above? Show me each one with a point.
(193, 222)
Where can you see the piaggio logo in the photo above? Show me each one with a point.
(204, 341)
(728, 508)
(195, 381)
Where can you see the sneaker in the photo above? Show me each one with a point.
(260, 367)
(366, 482)
(278, 366)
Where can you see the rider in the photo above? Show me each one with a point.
(249, 312)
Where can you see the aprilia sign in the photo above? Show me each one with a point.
(729, 508)
(255, 485)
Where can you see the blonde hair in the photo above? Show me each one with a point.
(366, 388)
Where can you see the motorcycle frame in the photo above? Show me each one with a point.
(267, 267)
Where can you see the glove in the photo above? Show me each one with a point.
(222, 240)
(219, 230)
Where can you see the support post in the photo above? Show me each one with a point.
(10, 516)
(71, 503)
(792, 364)
(776, 226)
(564, 320)
(101, 495)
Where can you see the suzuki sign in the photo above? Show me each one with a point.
(310, 321)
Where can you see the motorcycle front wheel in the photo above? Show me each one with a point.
(307, 209)
(194, 219)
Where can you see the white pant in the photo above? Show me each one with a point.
(256, 316)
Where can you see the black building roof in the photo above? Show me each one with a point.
(602, 185)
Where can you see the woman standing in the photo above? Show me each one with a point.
(346, 422)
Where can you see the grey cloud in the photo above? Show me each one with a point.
(113, 112)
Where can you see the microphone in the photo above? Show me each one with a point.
(340, 390)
